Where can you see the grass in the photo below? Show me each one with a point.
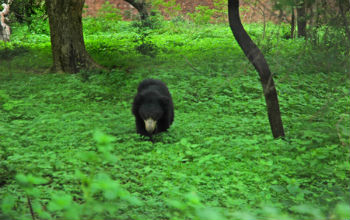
(217, 161)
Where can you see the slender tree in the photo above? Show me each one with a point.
(257, 59)
(67, 42)
(343, 15)
(301, 18)
(292, 24)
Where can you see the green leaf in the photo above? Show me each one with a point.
(29, 180)
(342, 211)
(103, 139)
(60, 201)
(7, 204)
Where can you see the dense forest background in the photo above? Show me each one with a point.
(69, 71)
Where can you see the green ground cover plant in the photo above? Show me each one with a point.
(69, 148)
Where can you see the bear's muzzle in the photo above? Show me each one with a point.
(150, 125)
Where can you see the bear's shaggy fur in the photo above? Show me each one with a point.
(152, 107)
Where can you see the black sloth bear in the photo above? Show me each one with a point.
(153, 107)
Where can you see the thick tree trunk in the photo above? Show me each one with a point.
(140, 5)
(67, 42)
(301, 19)
(257, 59)
(5, 30)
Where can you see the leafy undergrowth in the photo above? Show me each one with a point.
(69, 149)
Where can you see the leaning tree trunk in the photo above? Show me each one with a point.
(301, 19)
(67, 42)
(257, 59)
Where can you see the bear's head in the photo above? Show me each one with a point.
(152, 109)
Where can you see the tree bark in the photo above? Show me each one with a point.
(5, 30)
(301, 18)
(292, 24)
(257, 59)
(344, 18)
(67, 42)
(140, 6)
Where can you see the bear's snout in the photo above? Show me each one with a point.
(150, 125)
